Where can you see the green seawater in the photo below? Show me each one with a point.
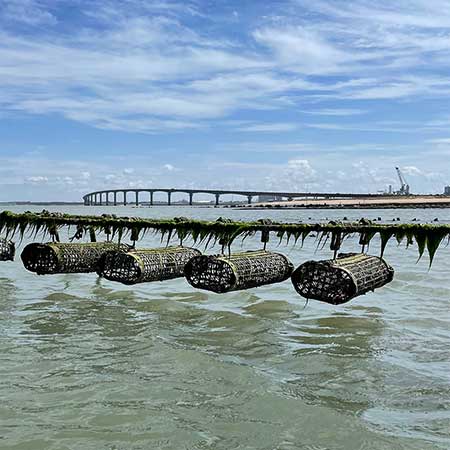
(87, 364)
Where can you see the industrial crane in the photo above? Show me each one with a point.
(404, 186)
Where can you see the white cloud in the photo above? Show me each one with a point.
(96, 77)
(336, 112)
(440, 141)
(269, 127)
(294, 175)
(412, 170)
(30, 12)
(303, 49)
(380, 126)
(413, 13)
(146, 69)
(36, 180)
(302, 168)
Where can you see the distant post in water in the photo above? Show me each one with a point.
(137, 198)
(124, 198)
(115, 198)
(191, 198)
(217, 199)
(151, 198)
(169, 198)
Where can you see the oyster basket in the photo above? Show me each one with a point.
(337, 281)
(218, 273)
(144, 265)
(55, 257)
(7, 250)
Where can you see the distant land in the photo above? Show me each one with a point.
(391, 202)
(388, 202)
(40, 203)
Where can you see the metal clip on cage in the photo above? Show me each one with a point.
(337, 281)
(246, 270)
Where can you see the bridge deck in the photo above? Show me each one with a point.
(96, 197)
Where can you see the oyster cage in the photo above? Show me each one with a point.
(55, 257)
(337, 281)
(144, 265)
(7, 250)
(245, 270)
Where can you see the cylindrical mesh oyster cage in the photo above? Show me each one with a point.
(7, 250)
(145, 265)
(245, 270)
(55, 257)
(337, 281)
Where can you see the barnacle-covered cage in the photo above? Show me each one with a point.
(144, 265)
(337, 281)
(7, 250)
(55, 257)
(220, 273)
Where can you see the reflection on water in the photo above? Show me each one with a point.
(90, 364)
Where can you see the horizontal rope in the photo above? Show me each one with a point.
(224, 231)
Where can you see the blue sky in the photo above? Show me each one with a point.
(321, 95)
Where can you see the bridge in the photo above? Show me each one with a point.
(116, 197)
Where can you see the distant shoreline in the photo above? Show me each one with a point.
(412, 202)
(325, 206)
(415, 202)
(40, 203)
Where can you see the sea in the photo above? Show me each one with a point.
(88, 364)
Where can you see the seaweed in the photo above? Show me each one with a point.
(385, 235)
(421, 238)
(434, 239)
(224, 231)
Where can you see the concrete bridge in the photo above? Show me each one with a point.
(121, 196)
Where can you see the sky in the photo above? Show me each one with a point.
(293, 95)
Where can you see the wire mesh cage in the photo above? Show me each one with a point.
(145, 265)
(55, 257)
(245, 270)
(7, 250)
(337, 281)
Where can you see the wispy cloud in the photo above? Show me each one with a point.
(29, 12)
(338, 112)
(269, 127)
(140, 66)
(445, 141)
(379, 126)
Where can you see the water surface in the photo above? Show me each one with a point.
(91, 364)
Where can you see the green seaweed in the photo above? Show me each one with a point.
(399, 236)
(92, 235)
(421, 238)
(336, 242)
(434, 239)
(223, 230)
(385, 235)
